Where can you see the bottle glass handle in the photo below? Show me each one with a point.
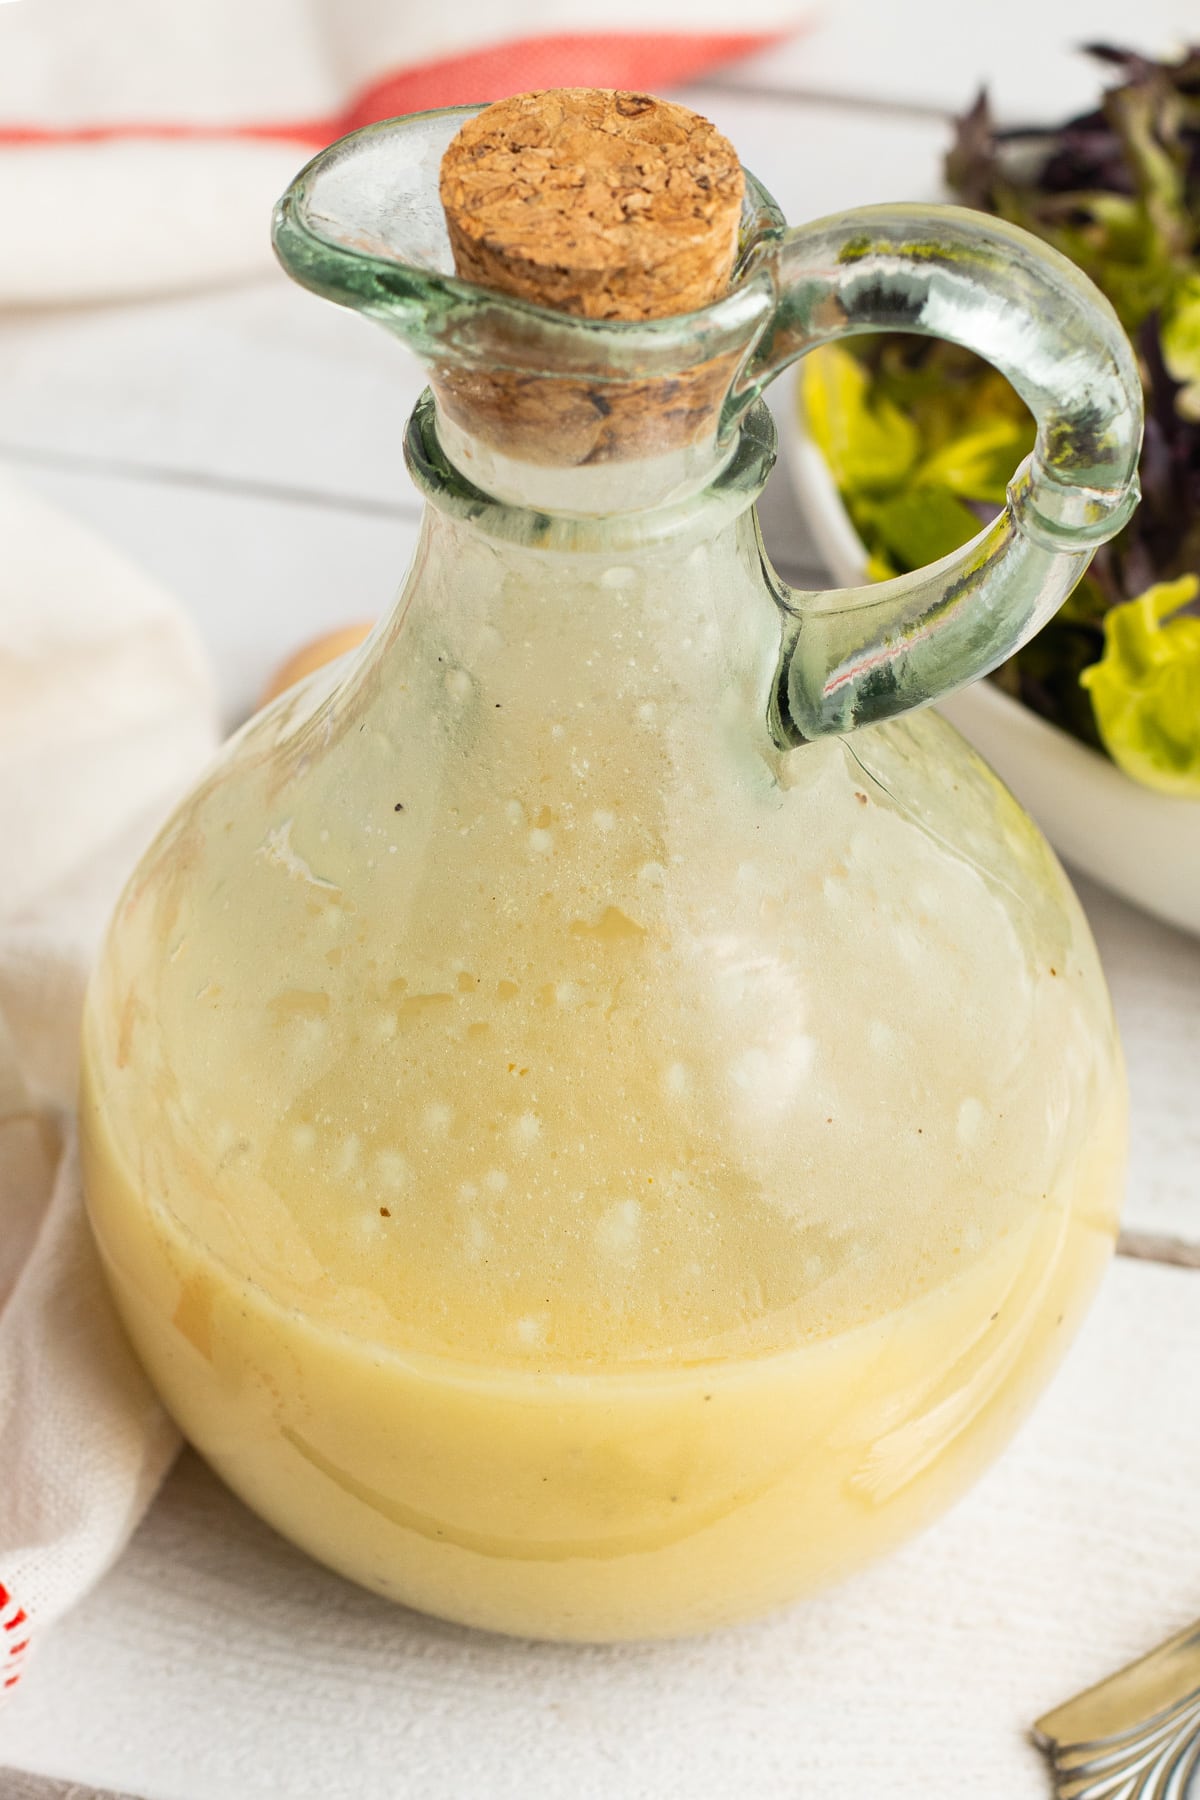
(858, 655)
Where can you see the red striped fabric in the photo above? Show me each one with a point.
(14, 1639)
(564, 59)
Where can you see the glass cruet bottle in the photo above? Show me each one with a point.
(599, 1113)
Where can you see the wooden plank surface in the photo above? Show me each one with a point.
(1154, 974)
(215, 1662)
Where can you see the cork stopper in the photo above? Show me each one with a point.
(609, 205)
(605, 205)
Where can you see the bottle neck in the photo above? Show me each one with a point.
(589, 489)
(668, 651)
(661, 620)
(607, 508)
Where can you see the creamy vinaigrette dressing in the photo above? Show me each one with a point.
(570, 1164)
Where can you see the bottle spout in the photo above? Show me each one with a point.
(531, 401)
(362, 225)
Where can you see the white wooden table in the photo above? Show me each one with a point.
(246, 448)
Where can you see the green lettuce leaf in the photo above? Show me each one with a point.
(979, 463)
(869, 444)
(1180, 339)
(921, 525)
(1145, 690)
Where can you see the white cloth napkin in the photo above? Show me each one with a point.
(142, 144)
(106, 713)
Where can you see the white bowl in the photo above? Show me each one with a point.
(1144, 846)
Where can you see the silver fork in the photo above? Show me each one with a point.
(1134, 1737)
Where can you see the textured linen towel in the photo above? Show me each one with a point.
(106, 713)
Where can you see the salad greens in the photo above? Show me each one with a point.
(921, 437)
(1146, 687)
